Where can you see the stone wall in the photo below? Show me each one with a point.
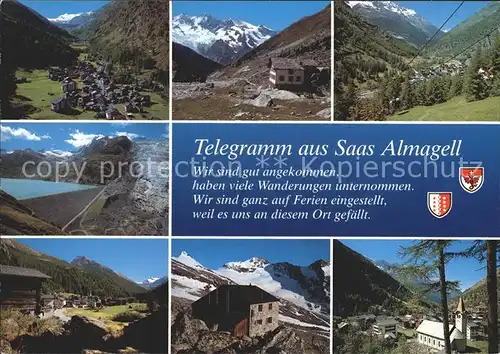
(263, 318)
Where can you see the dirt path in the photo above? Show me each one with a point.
(59, 313)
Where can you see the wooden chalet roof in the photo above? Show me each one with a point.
(21, 272)
(249, 294)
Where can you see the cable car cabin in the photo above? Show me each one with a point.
(21, 289)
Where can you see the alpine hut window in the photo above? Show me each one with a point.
(260, 308)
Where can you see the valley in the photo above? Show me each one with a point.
(223, 69)
(78, 305)
(78, 66)
(392, 306)
(392, 63)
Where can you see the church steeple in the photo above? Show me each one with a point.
(461, 317)
(461, 305)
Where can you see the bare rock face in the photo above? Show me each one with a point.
(192, 336)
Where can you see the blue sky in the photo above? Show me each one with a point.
(436, 12)
(276, 15)
(137, 259)
(53, 9)
(71, 136)
(214, 253)
(467, 271)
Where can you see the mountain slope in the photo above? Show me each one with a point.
(128, 29)
(414, 284)
(468, 32)
(297, 287)
(359, 283)
(477, 295)
(307, 39)
(17, 219)
(29, 40)
(222, 41)
(66, 277)
(189, 66)
(400, 22)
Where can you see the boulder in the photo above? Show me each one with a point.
(86, 329)
(263, 100)
(325, 113)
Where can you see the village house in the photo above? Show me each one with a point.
(68, 86)
(431, 333)
(59, 105)
(386, 328)
(21, 288)
(243, 310)
(285, 73)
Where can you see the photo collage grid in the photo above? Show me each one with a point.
(107, 247)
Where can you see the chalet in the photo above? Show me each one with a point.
(285, 73)
(243, 310)
(386, 328)
(68, 86)
(60, 105)
(21, 288)
(112, 113)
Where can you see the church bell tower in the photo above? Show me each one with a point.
(461, 317)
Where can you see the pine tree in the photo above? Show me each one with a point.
(456, 87)
(407, 94)
(495, 67)
(420, 94)
(475, 87)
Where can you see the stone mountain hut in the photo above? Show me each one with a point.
(243, 310)
(285, 73)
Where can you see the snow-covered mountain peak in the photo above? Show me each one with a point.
(152, 282)
(223, 41)
(384, 5)
(249, 265)
(401, 22)
(186, 259)
(66, 18)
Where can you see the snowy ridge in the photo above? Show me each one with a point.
(153, 282)
(387, 5)
(304, 292)
(401, 22)
(57, 153)
(66, 18)
(220, 40)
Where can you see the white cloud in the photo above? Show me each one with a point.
(131, 136)
(79, 139)
(8, 133)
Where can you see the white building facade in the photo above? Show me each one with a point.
(431, 333)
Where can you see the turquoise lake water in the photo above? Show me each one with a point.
(31, 188)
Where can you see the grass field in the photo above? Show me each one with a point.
(456, 109)
(37, 95)
(408, 332)
(477, 346)
(106, 314)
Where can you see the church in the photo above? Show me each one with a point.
(431, 333)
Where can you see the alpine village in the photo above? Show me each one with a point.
(393, 64)
(414, 305)
(112, 63)
(49, 305)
